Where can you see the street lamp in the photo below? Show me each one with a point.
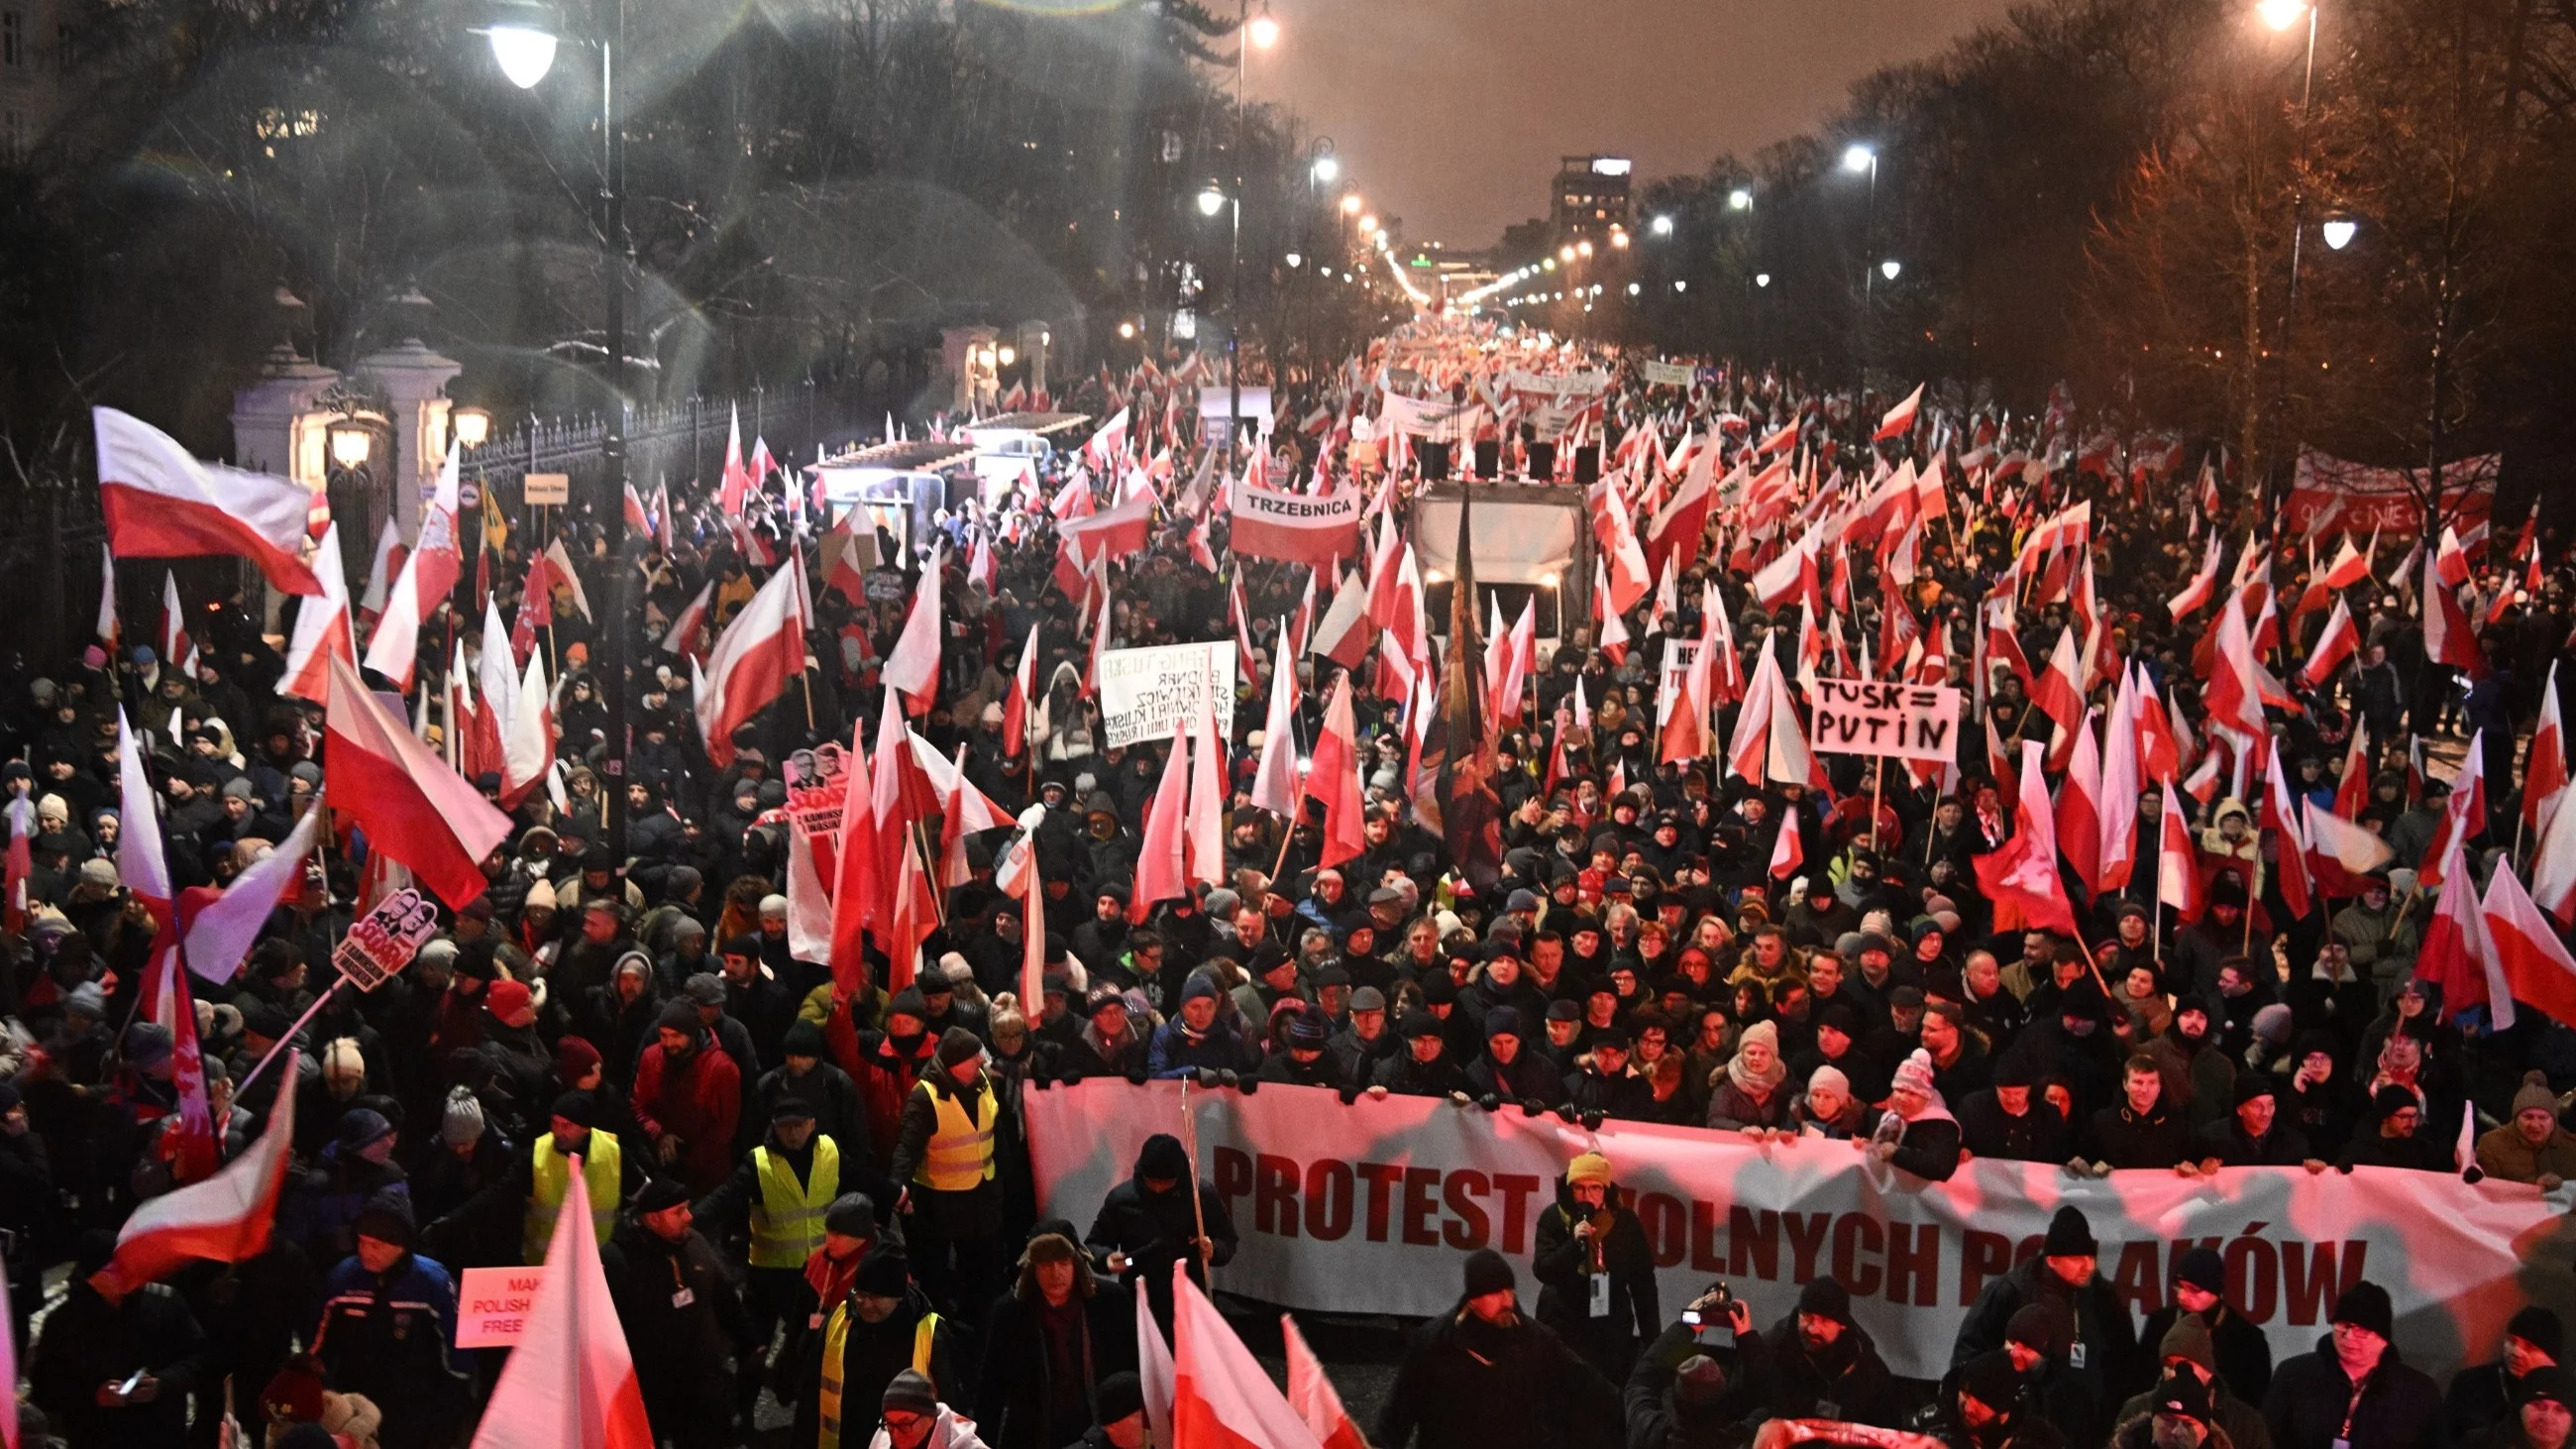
(472, 426)
(1328, 169)
(1890, 268)
(1583, 248)
(1858, 158)
(1661, 226)
(1296, 260)
(1762, 279)
(2339, 233)
(1211, 201)
(350, 446)
(523, 35)
(1261, 30)
(1351, 204)
(1126, 331)
(2282, 14)
(1739, 200)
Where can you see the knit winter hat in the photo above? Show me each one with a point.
(910, 1393)
(2535, 1093)
(2070, 1235)
(1590, 1167)
(2040, 1326)
(2189, 1339)
(1826, 1298)
(1828, 1077)
(957, 1045)
(1915, 1072)
(885, 1272)
(460, 1122)
(851, 1215)
(2366, 1305)
(1489, 1272)
(2538, 1327)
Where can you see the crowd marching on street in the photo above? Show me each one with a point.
(2239, 848)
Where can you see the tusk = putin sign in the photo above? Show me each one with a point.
(1874, 717)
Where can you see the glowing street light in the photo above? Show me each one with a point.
(1583, 248)
(1351, 204)
(2339, 233)
(524, 52)
(473, 425)
(1565, 253)
(1211, 201)
(2282, 14)
(1661, 226)
(1858, 158)
(1127, 331)
(1262, 30)
(1739, 200)
(1295, 260)
(1328, 169)
(1890, 268)
(1368, 225)
(1762, 279)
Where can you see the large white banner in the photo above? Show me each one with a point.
(1373, 1208)
(1439, 420)
(1152, 694)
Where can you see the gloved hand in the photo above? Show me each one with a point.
(1348, 1094)
(1565, 1114)
(1137, 1077)
(1531, 1106)
(1247, 1085)
(1207, 1077)
(1039, 1079)
(1226, 1077)
(1491, 1102)
(1592, 1121)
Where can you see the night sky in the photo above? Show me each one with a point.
(1450, 114)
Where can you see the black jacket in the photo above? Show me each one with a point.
(2102, 1324)
(2038, 1135)
(2310, 1396)
(2243, 1351)
(1656, 1421)
(86, 1343)
(1469, 1384)
(1017, 1375)
(1154, 1230)
(1849, 1376)
(2122, 1138)
(1560, 1262)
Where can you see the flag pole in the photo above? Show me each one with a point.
(1190, 1141)
(281, 1043)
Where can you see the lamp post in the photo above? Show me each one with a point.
(2281, 15)
(524, 35)
(1858, 157)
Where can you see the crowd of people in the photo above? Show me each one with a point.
(810, 1177)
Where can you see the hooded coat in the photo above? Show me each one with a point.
(1018, 1374)
(1469, 1384)
(1564, 1267)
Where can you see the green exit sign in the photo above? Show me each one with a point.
(1421, 261)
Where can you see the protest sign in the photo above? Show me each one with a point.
(492, 1305)
(1665, 374)
(1373, 1208)
(2330, 494)
(1678, 655)
(1875, 717)
(1152, 694)
(383, 941)
(1306, 528)
(818, 783)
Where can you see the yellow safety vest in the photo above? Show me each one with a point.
(960, 1154)
(836, 1344)
(602, 1171)
(787, 1222)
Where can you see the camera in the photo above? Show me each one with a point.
(1720, 1296)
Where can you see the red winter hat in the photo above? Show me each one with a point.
(295, 1395)
(508, 1002)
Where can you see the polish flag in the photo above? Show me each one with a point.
(1674, 534)
(1015, 706)
(2457, 953)
(2202, 585)
(1788, 848)
(2352, 792)
(735, 490)
(2349, 566)
(224, 1219)
(2450, 561)
(321, 629)
(1900, 418)
(412, 807)
(2079, 808)
(220, 932)
(570, 1382)
(1160, 864)
(1779, 440)
(2060, 694)
(1203, 824)
(2544, 768)
(1310, 1392)
(1275, 785)
(140, 863)
(1222, 1397)
(761, 650)
(1689, 730)
(638, 522)
(1016, 875)
(2447, 639)
(21, 862)
(2464, 814)
(1620, 551)
(1519, 653)
(2342, 853)
(1344, 634)
(2022, 878)
(428, 577)
(528, 745)
(175, 646)
(1335, 778)
(913, 667)
(391, 552)
(2332, 648)
(2553, 866)
(161, 502)
(2177, 864)
(559, 570)
(2234, 697)
(854, 875)
(687, 632)
(2281, 817)
(2533, 963)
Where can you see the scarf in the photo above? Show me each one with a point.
(1761, 1085)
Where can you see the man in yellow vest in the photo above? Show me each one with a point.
(782, 1191)
(540, 1178)
(883, 1326)
(943, 1164)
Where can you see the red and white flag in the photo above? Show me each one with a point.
(2079, 809)
(687, 634)
(2177, 864)
(1203, 825)
(2447, 638)
(2349, 566)
(570, 1381)
(2281, 815)
(1222, 1397)
(322, 629)
(2533, 963)
(1307, 528)
(2060, 694)
(224, 1219)
(1899, 420)
(2202, 585)
(2544, 768)
(1276, 786)
(913, 667)
(1015, 706)
(1310, 1392)
(428, 576)
(2022, 878)
(2342, 853)
(2457, 954)
(411, 806)
(2332, 648)
(220, 932)
(735, 490)
(162, 502)
(761, 650)
(1334, 778)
